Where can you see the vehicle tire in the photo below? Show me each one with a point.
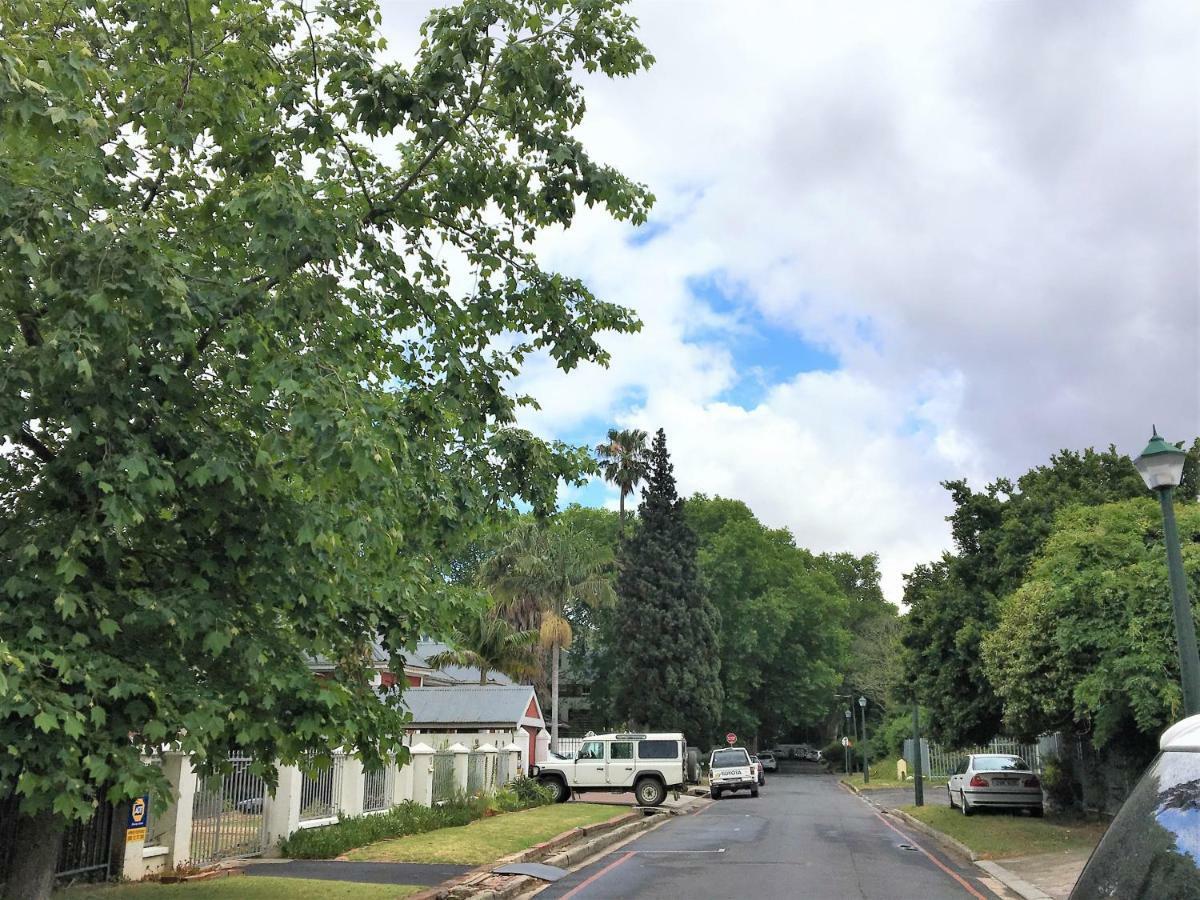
(561, 792)
(1037, 811)
(762, 779)
(715, 793)
(950, 797)
(965, 806)
(649, 792)
(753, 792)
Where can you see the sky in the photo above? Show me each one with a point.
(893, 244)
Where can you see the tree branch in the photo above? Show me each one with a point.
(187, 83)
(33, 443)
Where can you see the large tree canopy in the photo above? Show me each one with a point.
(249, 408)
(1087, 643)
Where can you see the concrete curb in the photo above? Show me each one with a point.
(573, 847)
(1020, 885)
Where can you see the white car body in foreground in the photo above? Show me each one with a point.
(994, 780)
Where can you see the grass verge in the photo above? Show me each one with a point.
(996, 834)
(487, 840)
(883, 775)
(241, 888)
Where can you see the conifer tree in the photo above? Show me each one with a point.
(666, 661)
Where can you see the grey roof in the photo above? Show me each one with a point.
(465, 704)
(454, 674)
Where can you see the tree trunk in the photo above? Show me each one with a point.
(554, 700)
(483, 674)
(34, 856)
(621, 520)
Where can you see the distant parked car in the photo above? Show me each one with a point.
(731, 770)
(758, 770)
(769, 764)
(1149, 850)
(996, 780)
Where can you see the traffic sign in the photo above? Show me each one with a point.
(845, 742)
(731, 739)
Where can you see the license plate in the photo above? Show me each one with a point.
(1004, 781)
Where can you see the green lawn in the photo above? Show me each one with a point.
(996, 834)
(883, 775)
(241, 887)
(487, 840)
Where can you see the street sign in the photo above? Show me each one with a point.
(731, 739)
(846, 742)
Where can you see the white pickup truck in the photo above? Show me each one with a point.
(647, 764)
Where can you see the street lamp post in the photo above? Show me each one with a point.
(846, 749)
(918, 761)
(862, 703)
(1161, 467)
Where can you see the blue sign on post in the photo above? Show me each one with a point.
(139, 809)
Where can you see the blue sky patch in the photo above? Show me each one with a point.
(764, 353)
(644, 234)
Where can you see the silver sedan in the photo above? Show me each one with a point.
(997, 780)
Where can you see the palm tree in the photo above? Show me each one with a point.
(537, 576)
(624, 461)
(489, 643)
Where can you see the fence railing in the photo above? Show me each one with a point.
(319, 791)
(378, 788)
(943, 761)
(476, 772)
(443, 776)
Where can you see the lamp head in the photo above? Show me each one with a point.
(1161, 463)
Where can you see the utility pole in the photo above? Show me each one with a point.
(866, 763)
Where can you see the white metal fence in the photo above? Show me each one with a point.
(943, 761)
(320, 790)
(443, 776)
(378, 788)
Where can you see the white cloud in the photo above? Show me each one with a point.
(987, 210)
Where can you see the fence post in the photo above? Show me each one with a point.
(174, 826)
(422, 774)
(491, 755)
(514, 761)
(402, 784)
(350, 800)
(460, 767)
(282, 810)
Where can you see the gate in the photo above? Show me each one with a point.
(228, 818)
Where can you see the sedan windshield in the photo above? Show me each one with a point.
(724, 759)
(1000, 764)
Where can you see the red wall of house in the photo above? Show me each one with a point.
(532, 711)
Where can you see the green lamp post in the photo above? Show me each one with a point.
(1161, 467)
(862, 704)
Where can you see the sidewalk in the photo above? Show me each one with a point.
(1037, 876)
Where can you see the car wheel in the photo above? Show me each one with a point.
(950, 797)
(559, 787)
(715, 793)
(1037, 811)
(963, 804)
(650, 792)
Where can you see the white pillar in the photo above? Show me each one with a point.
(422, 774)
(175, 824)
(514, 760)
(282, 810)
(489, 766)
(402, 784)
(350, 800)
(460, 767)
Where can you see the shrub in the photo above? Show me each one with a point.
(1061, 783)
(531, 792)
(408, 818)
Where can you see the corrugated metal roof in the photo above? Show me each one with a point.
(464, 704)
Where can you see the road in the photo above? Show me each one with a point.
(803, 837)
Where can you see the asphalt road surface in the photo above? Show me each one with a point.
(802, 837)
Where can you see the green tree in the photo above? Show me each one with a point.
(538, 574)
(667, 653)
(489, 643)
(252, 410)
(1087, 643)
(997, 534)
(625, 462)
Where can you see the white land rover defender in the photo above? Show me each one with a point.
(647, 764)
